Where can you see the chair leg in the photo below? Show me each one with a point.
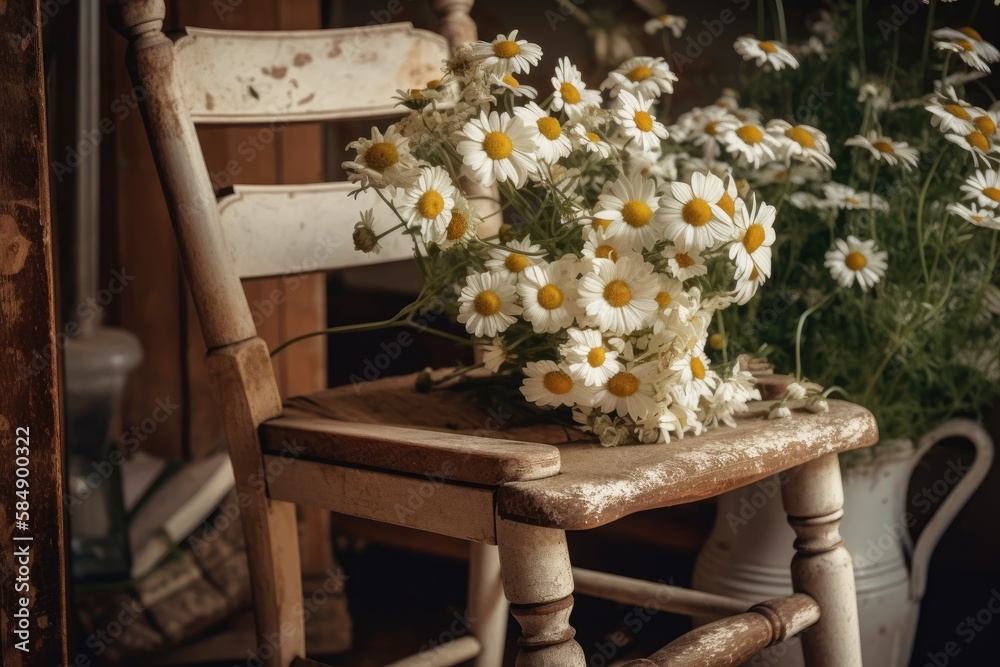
(538, 581)
(272, 544)
(487, 606)
(813, 498)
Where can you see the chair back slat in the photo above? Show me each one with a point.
(283, 230)
(233, 76)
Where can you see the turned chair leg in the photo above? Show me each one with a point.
(538, 581)
(487, 605)
(813, 498)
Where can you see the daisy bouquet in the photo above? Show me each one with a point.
(883, 156)
(586, 275)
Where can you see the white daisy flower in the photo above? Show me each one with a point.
(519, 255)
(508, 55)
(427, 204)
(684, 264)
(546, 383)
(854, 259)
(746, 286)
(754, 235)
(619, 296)
(839, 195)
(600, 244)
(966, 50)
(987, 218)
(487, 304)
(641, 75)
(731, 397)
(548, 297)
(571, 94)
(801, 142)
(589, 357)
(691, 217)
(671, 290)
(676, 24)
(496, 355)
(630, 206)
(980, 46)
(976, 143)
(364, 236)
(986, 122)
(509, 82)
(692, 377)
(552, 141)
(951, 114)
(498, 148)
(884, 148)
(632, 114)
(764, 52)
(702, 126)
(629, 392)
(462, 225)
(382, 160)
(749, 141)
(984, 187)
(591, 141)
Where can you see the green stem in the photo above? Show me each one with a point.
(859, 20)
(798, 336)
(780, 11)
(927, 40)
(920, 220)
(872, 214)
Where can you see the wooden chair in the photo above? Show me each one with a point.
(333, 449)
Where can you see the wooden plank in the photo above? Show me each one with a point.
(448, 654)
(464, 512)
(33, 598)
(652, 595)
(286, 230)
(234, 76)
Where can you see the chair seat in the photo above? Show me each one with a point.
(547, 474)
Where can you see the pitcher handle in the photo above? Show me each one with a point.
(929, 536)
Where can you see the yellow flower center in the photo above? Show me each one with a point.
(433, 84)
(639, 73)
(623, 384)
(550, 297)
(506, 49)
(697, 368)
(971, 32)
(801, 137)
(381, 156)
(852, 200)
(497, 146)
(600, 223)
(750, 134)
(712, 128)
(510, 80)
(596, 357)
(697, 213)
(754, 275)
(515, 263)
(617, 293)
(430, 204)
(457, 227)
(985, 125)
(992, 193)
(965, 44)
(594, 137)
(978, 140)
(663, 299)
(957, 111)
(727, 204)
(606, 252)
(856, 261)
(549, 127)
(487, 303)
(754, 237)
(636, 213)
(569, 93)
(767, 47)
(884, 147)
(716, 341)
(643, 121)
(558, 382)
(684, 260)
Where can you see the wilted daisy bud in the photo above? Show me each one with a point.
(795, 392)
(613, 436)
(433, 250)
(364, 235)
(648, 436)
(779, 412)
(506, 233)
(817, 404)
(716, 341)
(424, 382)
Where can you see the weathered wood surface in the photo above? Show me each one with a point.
(232, 76)
(653, 595)
(276, 230)
(33, 570)
(597, 485)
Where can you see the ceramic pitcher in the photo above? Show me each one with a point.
(750, 548)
